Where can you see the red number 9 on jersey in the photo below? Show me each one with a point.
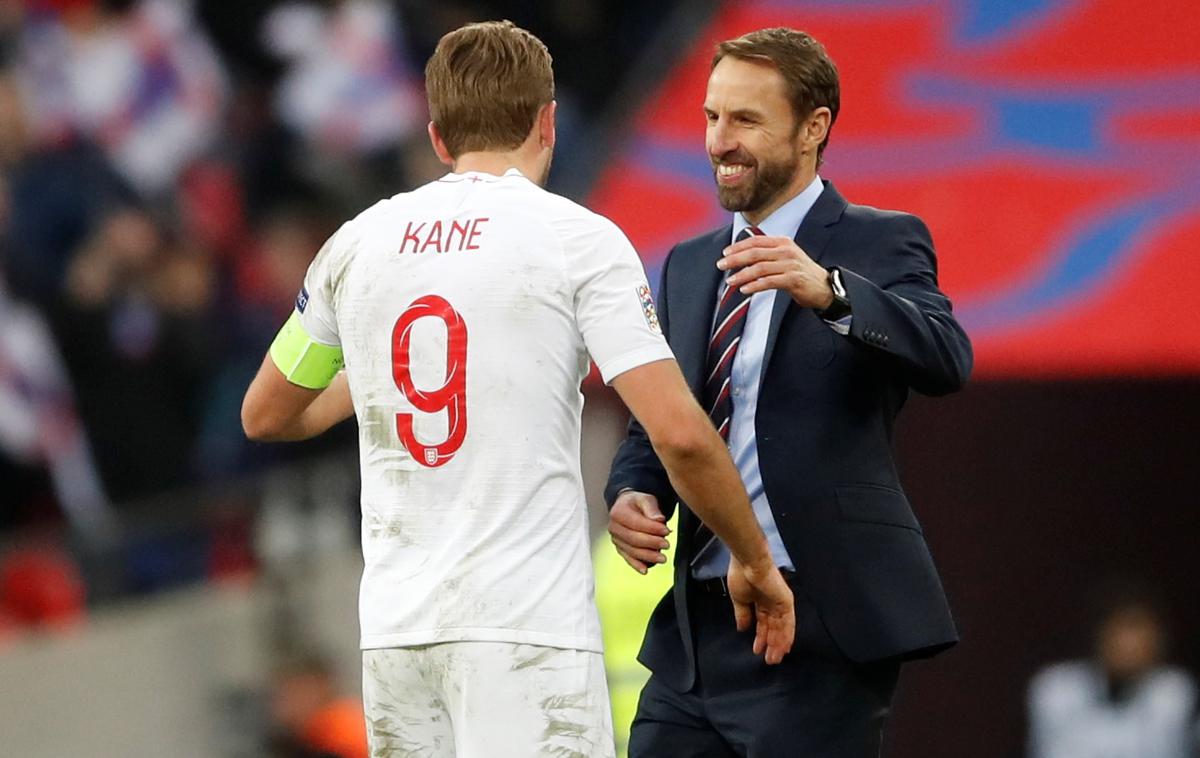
(450, 397)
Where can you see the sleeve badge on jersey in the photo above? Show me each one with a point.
(302, 299)
(648, 310)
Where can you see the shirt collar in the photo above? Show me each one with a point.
(786, 219)
(481, 175)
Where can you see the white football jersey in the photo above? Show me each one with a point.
(466, 311)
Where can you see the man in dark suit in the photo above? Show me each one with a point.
(802, 327)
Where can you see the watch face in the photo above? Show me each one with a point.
(835, 280)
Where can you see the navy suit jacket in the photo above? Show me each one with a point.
(826, 409)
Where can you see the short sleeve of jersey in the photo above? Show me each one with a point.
(314, 302)
(614, 307)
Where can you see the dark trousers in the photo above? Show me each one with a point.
(815, 704)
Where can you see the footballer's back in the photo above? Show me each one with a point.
(466, 311)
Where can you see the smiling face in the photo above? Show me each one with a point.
(755, 142)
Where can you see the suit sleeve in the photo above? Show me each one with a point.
(906, 320)
(636, 465)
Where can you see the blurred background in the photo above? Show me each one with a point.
(168, 169)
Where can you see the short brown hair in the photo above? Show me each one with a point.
(808, 72)
(485, 84)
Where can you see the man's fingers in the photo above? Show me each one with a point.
(742, 615)
(632, 505)
(773, 282)
(762, 631)
(634, 563)
(735, 261)
(637, 538)
(648, 506)
(759, 242)
(632, 518)
(648, 557)
(637, 530)
(781, 634)
(758, 271)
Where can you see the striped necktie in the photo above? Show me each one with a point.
(717, 398)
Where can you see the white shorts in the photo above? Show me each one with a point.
(486, 700)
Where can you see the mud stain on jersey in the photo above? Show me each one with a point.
(388, 740)
(391, 528)
(536, 660)
(568, 732)
(377, 426)
(537, 285)
(402, 721)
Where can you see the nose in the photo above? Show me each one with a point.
(720, 138)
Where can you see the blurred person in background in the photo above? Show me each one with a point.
(311, 718)
(45, 459)
(479, 631)
(55, 197)
(138, 78)
(802, 326)
(137, 333)
(40, 431)
(347, 91)
(1125, 701)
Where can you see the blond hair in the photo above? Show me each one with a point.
(485, 84)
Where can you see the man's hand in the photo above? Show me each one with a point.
(763, 263)
(638, 529)
(773, 613)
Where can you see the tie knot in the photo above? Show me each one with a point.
(747, 232)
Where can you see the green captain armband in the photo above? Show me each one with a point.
(302, 360)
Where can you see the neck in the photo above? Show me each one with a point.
(495, 163)
(800, 180)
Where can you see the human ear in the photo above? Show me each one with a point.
(439, 145)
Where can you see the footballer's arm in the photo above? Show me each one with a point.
(703, 474)
(277, 410)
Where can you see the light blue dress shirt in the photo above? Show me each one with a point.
(713, 560)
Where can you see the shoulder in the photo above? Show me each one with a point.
(702, 247)
(1172, 685)
(400, 203)
(885, 220)
(580, 233)
(369, 218)
(567, 216)
(1062, 683)
(710, 240)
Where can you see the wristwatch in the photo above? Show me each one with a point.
(840, 307)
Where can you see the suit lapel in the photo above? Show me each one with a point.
(813, 236)
(692, 307)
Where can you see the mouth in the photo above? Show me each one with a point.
(731, 173)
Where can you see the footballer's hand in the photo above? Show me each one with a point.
(638, 530)
(761, 597)
(760, 263)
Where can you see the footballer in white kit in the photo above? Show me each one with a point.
(466, 312)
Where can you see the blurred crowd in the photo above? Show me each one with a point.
(167, 171)
(1127, 699)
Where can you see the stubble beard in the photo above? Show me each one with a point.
(771, 178)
